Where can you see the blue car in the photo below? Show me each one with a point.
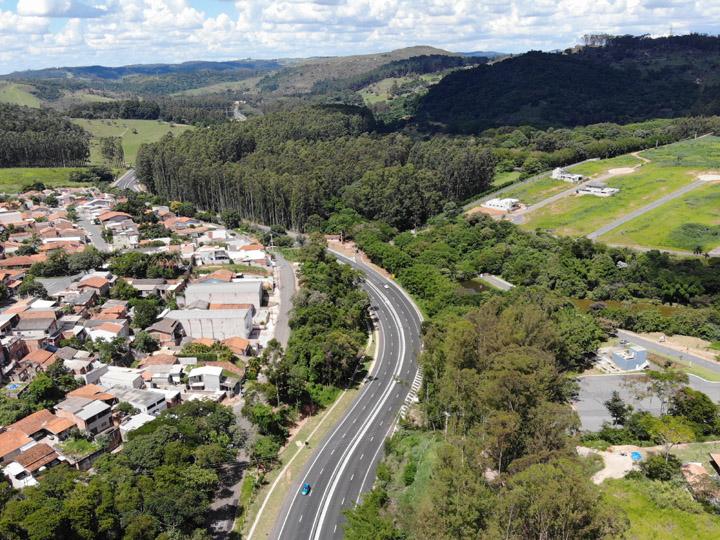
(305, 489)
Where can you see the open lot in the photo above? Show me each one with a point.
(12, 180)
(684, 223)
(133, 133)
(691, 222)
(537, 190)
(18, 94)
(651, 518)
(578, 216)
(600, 166)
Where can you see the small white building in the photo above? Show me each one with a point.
(120, 376)
(134, 422)
(211, 379)
(504, 205)
(598, 190)
(145, 401)
(561, 174)
(245, 291)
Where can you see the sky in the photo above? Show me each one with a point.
(49, 33)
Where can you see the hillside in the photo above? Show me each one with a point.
(624, 80)
(301, 78)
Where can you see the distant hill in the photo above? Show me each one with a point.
(114, 73)
(302, 78)
(625, 79)
(486, 54)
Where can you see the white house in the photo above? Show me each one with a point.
(505, 205)
(145, 401)
(211, 378)
(561, 174)
(598, 190)
(211, 255)
(114, 376)
(134, 422)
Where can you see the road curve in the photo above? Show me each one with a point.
(342, 466)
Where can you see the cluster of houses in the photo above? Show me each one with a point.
(215, 306)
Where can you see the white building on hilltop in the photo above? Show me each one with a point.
(561, 174)
(598, 190)
(504, 205)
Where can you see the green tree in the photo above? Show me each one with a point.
(122, 290)
(618, 409)
(264, 452)
(670, 431)
(145, 311)
(146, 343)
(367, 521)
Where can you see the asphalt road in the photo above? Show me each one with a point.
(342, 467)
(497, 282)
(94, 232)
(661, 349)
(127, 181)
(640, 211)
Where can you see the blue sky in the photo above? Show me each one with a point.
(46, 33)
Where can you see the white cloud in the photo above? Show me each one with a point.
(130, 31)
(59, 8)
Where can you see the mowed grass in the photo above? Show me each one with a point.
(648, 520)
(133, 133)
(685, 223)
(12, 180)
(578, 216)
(18, 94)
(592, 168)
(536, 190)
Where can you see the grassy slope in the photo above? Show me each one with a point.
(18, 94)
(147, 131)
(503, 178)
(13, 179)
(701, 206)
(578, 216)
(537, 190)
(382, 90)
(592, 168)
(650, 521)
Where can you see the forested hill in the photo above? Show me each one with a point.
(626, 79)
(40, 138)
(299, 166)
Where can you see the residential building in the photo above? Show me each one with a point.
(216, 324)
(245, 291)
(145, 401)
(131, 423)
(168, 332)
(12, 443)
(561, 174)
(211, 378)
(89, 415)
(36, 459)
(41, 424)
(120, 376)
(631, 358)
(598, 190)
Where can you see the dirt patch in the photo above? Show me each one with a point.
(688, 344)
(709, 177)
(620, 171)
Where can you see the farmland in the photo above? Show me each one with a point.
(18, 94)
(133, 133)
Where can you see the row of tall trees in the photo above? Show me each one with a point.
(40, 138)
(288, 166)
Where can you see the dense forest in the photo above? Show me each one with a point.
(40, 138)
(619, 79)
(130, 109)
(286, 167)
(301, 165)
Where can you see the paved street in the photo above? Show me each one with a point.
(664, 350)
(95, 233)
(128, 181)
(342, 467)
(497, 282)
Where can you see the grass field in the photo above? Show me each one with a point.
(578, 216)
(503, 178)
(591, 168)
(536, 190)
(133, 133)
(688, 222)
(651, 520)
(244, 85)
(18, 94)
(14, 179)
(383, 90)
(703, 153)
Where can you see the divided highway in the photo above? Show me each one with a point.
(342, 467)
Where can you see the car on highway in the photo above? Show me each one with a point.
(386, 286)
(305, 489)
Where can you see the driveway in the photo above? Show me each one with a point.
(94, 232)
(287, 287)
